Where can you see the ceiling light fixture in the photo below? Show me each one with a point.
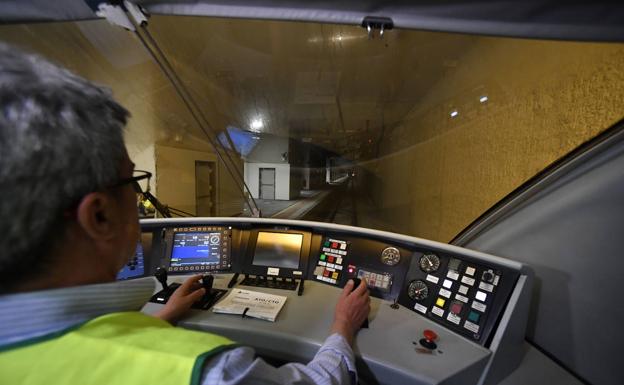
(256, 124)
(454, 113)
(483, 99)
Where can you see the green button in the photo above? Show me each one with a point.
(322, 257)
(327, 244)
(473, 317)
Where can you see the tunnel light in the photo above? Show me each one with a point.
(483, 99)
(256, 124)
(255, 137)
(454, 113)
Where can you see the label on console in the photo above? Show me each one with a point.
(472, 327)
(452, 275)
(453, 318)
(432, 278)
(486, 286)
(468, 281)
(445, 293)
(478, 306)
(297, 272)
(461, 298)
(437, 311)
(420, 308)
(273, 271)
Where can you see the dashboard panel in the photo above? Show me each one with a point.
(475, 305)
(456, 291)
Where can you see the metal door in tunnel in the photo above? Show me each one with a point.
(205, 189)
(267, 183)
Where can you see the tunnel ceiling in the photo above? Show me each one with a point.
(328, 85)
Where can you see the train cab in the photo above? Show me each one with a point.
(465, 159)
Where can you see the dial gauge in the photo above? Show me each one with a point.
(417, 290)
(429, 262)
(390, 256)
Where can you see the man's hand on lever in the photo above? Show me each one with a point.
(182, 299)
(351, 310)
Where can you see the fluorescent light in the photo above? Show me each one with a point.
(483, 99)
(256, 124)
(454, 113)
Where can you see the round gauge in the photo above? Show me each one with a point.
(214, 239)
(417, 290)
(429, 263)
(390, 256)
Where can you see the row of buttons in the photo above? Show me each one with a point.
(330, 265)
(334, 251)
(330, 259)
(381, 281)
(192, 268)
(335, 244)
(181, 229)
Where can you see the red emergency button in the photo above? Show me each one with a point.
(430, 335)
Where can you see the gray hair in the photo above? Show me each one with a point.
(61, 137)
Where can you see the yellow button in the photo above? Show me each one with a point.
(335, 275)
(440, 302)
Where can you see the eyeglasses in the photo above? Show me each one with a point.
(140, 182)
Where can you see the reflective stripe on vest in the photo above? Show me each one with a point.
(118, 348)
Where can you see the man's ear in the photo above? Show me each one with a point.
(95, 215)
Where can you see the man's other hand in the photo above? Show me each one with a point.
(182, 299)
(351, 310)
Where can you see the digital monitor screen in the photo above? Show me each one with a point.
(196, 249)
(278, 250)
(135, 266)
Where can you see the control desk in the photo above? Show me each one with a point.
(440, 313)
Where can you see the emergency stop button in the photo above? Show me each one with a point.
(429, 340)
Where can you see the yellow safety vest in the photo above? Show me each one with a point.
(119, 348)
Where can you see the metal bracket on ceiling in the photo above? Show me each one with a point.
(118, 13)
(371, 23)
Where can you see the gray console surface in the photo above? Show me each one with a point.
(385, 351)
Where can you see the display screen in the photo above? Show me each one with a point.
(278, 250)
(135, 266)
(196, 249)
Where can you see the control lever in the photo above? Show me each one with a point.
(211, 296)
(356, 283)
(163, 295)
(161, 276)
(207, 282)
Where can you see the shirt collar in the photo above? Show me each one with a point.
(28, 315)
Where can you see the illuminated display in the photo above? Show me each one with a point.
(135, 267)
(196, 249)
(278, 250)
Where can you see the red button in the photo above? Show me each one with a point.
(330, 259)
(326, 273)
(334, 245)
(430, 335)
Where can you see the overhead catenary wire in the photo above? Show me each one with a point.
(164, 64)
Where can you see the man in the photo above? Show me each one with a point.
(68, 220)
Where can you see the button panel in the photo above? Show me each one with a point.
(462, 297)
(329, 267)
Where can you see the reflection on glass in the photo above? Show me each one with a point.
(417, 133)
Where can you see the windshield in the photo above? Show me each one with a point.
(417, 133)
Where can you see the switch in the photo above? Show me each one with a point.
(474, 317)
(440, 302)
(429, 340)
